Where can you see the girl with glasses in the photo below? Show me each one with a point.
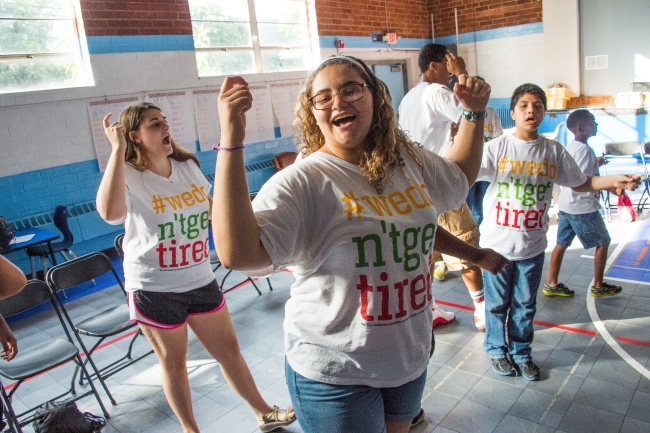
(355, 223)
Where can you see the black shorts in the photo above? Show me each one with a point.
(169, 310)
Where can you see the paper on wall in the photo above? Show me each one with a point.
(207, 117)
(97, 110)
(178, 108)
(284, 97)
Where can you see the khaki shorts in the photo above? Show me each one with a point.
(460, 223)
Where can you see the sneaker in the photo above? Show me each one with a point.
(479, 316)
(442, 317)
(529, 370)
(440, 272)
(606, 290)
(479, 322)
(558, 290)
(502, 366)
(418, 418)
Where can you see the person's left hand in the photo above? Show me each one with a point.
(627, 181)
(472, 92)
(491, 261)
(600, 160)
(8, 341)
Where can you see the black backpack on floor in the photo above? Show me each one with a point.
(65, 417)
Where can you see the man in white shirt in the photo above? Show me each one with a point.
(427, 113)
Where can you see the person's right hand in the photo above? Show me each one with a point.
(115, 133)
(456, 64)
(8, 341)
(235, 100)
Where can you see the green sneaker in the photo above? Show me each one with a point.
(558, 290)
(606, 290)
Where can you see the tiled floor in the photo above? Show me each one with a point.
(588, 384)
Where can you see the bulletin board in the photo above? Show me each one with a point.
(259, 119)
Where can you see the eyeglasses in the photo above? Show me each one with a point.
(348, 93)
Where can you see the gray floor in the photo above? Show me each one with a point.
(586, 385)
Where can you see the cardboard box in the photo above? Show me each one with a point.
(630, 99)
(558, 92)
(591, 101)
(556, 103)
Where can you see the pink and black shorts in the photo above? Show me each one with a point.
(169, 310)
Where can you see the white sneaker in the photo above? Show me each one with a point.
(442, 317)
(479, 316)
(440, 272)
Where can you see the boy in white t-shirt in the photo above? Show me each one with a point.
(522, 169)
(579, 215)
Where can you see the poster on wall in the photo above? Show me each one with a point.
(207, 117)
(178, 108)
(284, 97)
(259, 119)
(97, 110)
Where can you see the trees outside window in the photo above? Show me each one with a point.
(253, 36)
(42, 46)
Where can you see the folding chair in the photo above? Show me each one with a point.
(102, 325)
(284, 159)
(33, 361)
(627, 149)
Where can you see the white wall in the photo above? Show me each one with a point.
(562, 44)
(506, 63)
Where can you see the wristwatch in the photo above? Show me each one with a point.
(473, 116)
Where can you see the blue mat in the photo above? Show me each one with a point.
(633, 263)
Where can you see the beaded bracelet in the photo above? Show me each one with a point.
(227, 149)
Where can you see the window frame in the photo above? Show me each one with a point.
(257, 49)
(85, 72)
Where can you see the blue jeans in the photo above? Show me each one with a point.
(326, 408)
(589, 227)
(511, 296)
(475, 199)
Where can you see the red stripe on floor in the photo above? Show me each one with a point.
(633, 341)
(536, 322)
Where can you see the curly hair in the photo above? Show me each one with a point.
(136, 155)
(381, 148)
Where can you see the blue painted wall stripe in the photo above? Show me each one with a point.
(367, 42)
(134, 44)
(487, 35)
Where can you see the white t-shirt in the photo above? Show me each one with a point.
(492, 127)
(360, 309)
(166, 229)
(426, 114)
(521, 175)
(576, 203)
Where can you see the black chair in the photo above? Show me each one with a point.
(32, 361)
(61, 215)
(117, 243)
(104, 324)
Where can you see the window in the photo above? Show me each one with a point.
(253, 36)
(42, 46)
